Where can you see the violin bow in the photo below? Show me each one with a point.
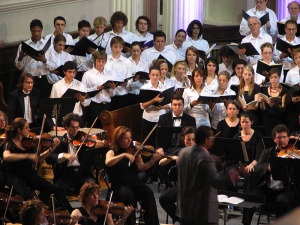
(39, 143)
(53, 209)
(84, 139)
(8, 200)
(296, 141)
(141, 147)
(111, 194)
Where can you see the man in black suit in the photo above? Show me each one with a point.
(24, 101)
(176, 118)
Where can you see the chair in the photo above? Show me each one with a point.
(173, 176)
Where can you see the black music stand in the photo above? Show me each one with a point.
(233, 151)
(63, 106)
(285, 169)
(168, 138)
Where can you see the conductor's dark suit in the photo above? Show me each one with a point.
(16, 107)
(166, 120)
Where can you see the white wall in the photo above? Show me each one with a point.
(225, 12)
(15, 18)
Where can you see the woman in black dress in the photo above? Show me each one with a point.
(272, 110)
(123, 170)
(85, 215)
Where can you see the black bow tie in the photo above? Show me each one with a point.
(25, 95)
(177, 118)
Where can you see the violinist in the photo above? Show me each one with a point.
(3, 124)
(125, 182)
(264, 185)
(19, 169)
(67, 171)
(32, 212)
(88, 214)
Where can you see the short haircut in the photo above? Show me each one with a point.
(190, 28)
(177, 97)
(59, 18)
(247, 114)
(69, 65)
(237, 62)
(159, 33)
(143, 18)
(70, 117)
(295, 51)
(226, 74)
(59, 37)
(117, 40)
(266, 45)
(36, 23)
(179, 31)
(154, 68)
(290, 22)
(201, 134)
(99, 21)
(225, 51)
(99, 55)
(23, 78)
(135, 43)
(280, 128)
(30, 211)
(256, 18)
(117, 16)
(292, 3)
(83, 23)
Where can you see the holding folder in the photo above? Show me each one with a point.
(27, 49)
(263, 20)
(147, 95)
(70, 93)
(264, 67)
(81, 48)
(250, 49)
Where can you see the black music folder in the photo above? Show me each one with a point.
(250, 49)
(263, 20)
(148, 44)
(81, 48)
(170, 65)
(281, 30)
(117, 83)
(216, 99)
(27, 49)
(143, 75)
(70, 93)
(168, 137)
(262, 66)
(147, 95)
(60, 71)
(283, 46)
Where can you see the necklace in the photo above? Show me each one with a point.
(274, 89)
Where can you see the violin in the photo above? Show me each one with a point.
(146, 150)
(116, 208)
(62, 217)
(15, 202)
(83, 138)
(32, 140)
(290, 151)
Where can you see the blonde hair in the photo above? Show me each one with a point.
(100, 21)
(242, 82)
(176, 64)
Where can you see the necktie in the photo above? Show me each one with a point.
(177, 118)
(25, 95)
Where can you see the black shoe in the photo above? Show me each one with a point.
(149, 180)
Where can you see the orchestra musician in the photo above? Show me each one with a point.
(125, 183)
(20, 164)
(33, 212)
(264, 184)
(66, 161)
(88, 214)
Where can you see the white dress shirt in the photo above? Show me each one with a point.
(139, 37)
(199, 44)
(201, 111)
(180, 52)
(27, 109)
(84, 63)
(213, 86)
(151, 53)
(98, 40)
(222, 67)
(121, 69)
(142, 65)
(244, 28)
(30, 65)
(256, 42)
(68, 37)
(93, 78)
(55, 60)
(259, 78)
(60, 87)
(293, 76)
(152, 114)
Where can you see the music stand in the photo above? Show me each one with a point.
(168, 137)
(285, 169)
(63, 106)
(93, 158)
(233, 150)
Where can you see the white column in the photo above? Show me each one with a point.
(177, 14)
(132, 8)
